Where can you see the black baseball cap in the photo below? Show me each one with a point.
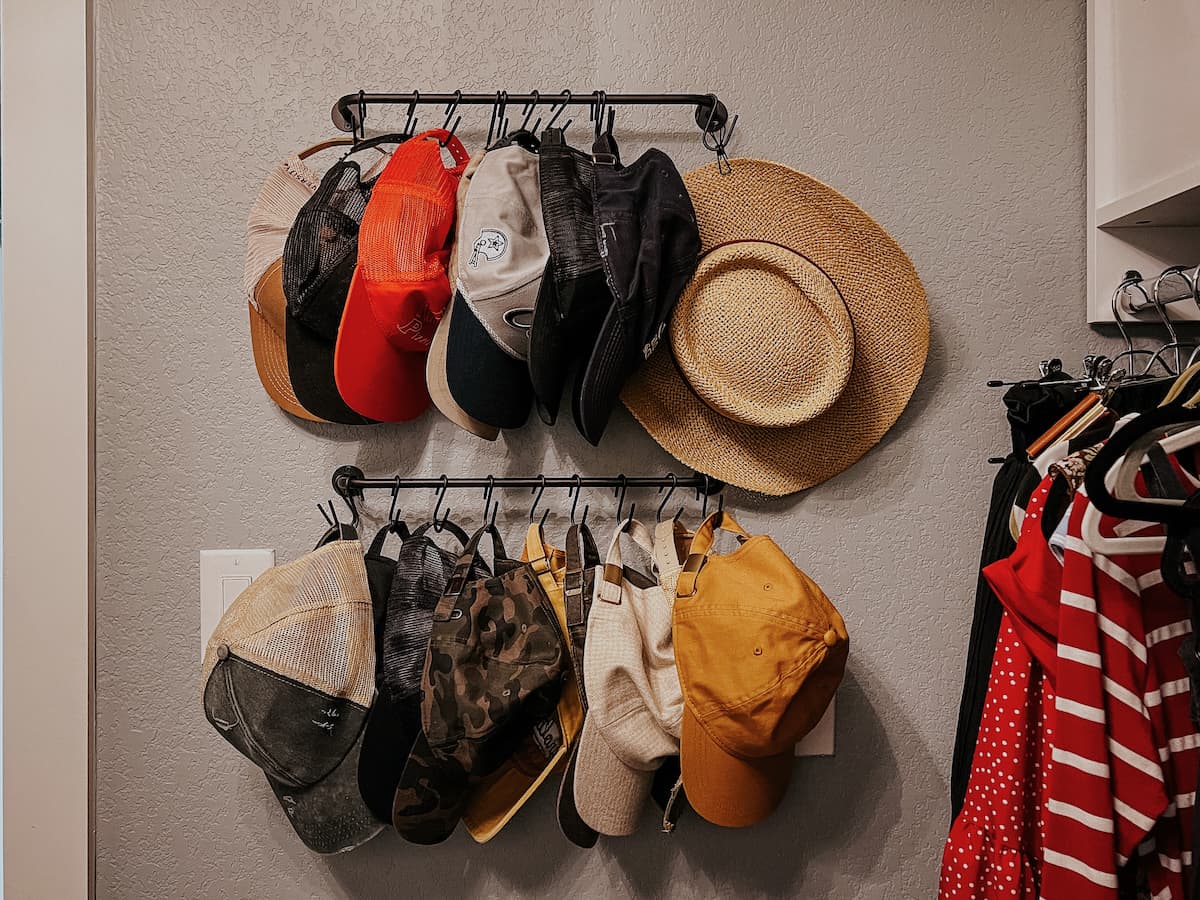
(419, 576)
(318, 263)
(575, 296)
(649, 246)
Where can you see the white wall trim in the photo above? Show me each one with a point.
(45, 53)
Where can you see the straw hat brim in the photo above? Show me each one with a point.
(766, 201)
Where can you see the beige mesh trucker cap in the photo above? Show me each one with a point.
(288, 677)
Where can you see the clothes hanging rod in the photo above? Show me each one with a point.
(350, 481)
(711, 114)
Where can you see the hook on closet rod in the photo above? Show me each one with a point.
(349, 111)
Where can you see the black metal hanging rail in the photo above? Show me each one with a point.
(711, 114)
(350, 481)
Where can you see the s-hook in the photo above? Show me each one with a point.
(451, 107)
(410, 126)
(658, 517)
(538, 491)
(487, 502)
(392, 517)
(440, 524)
(528, 111)
(557, 110)
(573, 492)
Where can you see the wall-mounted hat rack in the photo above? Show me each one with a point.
(350, 482)
(349, 112)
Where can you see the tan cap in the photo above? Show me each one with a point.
(761, 651)
(285, 191)
(635, 704)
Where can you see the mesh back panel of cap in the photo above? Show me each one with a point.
(324, 240)
(409, 220)
(309, 620)
(567, 177)
(289, 186)
(422, 571)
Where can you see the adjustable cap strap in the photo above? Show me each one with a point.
(702, 543)
(666, 554)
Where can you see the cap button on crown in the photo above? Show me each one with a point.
(223, 651)
(831, 638)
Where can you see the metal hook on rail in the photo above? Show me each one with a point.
(665, 500)
(538, 491)
(440, 524)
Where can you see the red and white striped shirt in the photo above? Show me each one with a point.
(1125, 757)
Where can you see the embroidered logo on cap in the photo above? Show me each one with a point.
(491, 243)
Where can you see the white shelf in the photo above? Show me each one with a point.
(1143, 161)
(1170, 202)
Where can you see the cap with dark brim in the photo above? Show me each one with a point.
(431, 796)
(499, 796)
(437, 382)
(487, 383)
(388, 737)
(270, 360)
(577, 831)
(310, 366)
(374, 378)
(729, 790)
(331, 815)
(614, 359)
(267, 338)
(316, 782)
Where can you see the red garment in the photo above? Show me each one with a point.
(1123, 736)
(994, 847)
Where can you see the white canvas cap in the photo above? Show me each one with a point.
(635, 703)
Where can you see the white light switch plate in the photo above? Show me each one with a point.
(223, 575)
(819, 741)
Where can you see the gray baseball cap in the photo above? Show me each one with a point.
(502, 255)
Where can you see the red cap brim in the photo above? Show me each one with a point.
(374, 378)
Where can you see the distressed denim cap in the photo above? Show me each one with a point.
(288, 677)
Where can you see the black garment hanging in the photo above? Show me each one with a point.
(1032, 408)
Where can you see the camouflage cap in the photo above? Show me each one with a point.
(493, 670)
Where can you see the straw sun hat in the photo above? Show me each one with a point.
(797, 343)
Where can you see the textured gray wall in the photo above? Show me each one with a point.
(960, 127)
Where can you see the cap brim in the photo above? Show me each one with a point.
(728, 790)
(577, 831)
(271, 361)
(310, 368)
(613, 360)
(431, 796)
(500, 796)
(374, 378)
(439, 388)
(330, 816)
(609, 795)
(547, 350)
(488, 384)
(388, 737)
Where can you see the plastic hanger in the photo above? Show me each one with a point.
(1111, 467)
